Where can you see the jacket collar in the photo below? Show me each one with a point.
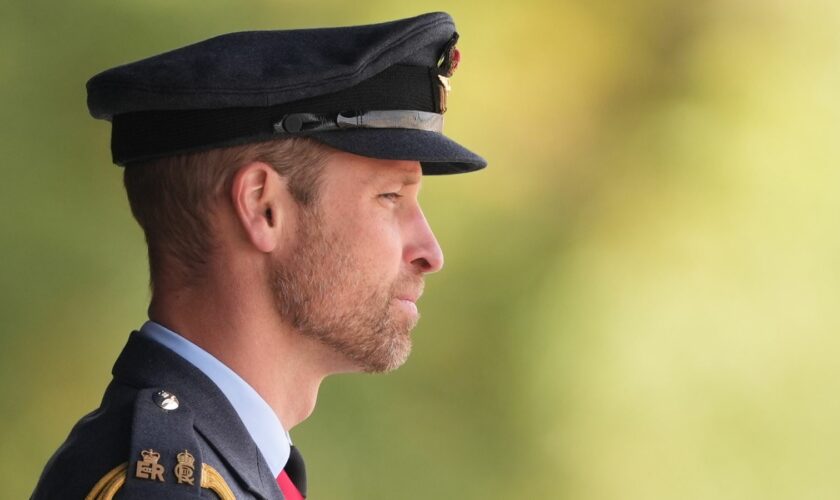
(146, 363)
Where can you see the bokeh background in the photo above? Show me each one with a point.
(641, 292)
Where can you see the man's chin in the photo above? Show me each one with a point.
(388, 357)
(379, 349)
(390, 366)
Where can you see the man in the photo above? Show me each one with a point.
(275, 176)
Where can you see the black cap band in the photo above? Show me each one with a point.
(413, 92)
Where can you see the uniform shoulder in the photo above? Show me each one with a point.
(154, 452)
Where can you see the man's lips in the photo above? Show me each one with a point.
(409, 300)
(410, 292)
(408, 305)
(412, 297)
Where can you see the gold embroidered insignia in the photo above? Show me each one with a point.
(186, 468)
(149, 468)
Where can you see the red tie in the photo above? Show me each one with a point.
(292, 479)
(290, 491)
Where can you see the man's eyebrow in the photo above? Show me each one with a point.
(404, 178)
(411, 179)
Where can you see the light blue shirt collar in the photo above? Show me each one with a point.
(260, 420)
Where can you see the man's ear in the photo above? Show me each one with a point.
(257, 193)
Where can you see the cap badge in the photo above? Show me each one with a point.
(149, 468)
(450, 59)
(186, 468)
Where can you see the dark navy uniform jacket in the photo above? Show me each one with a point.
(132, 446)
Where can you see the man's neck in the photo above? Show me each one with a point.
(283, 366)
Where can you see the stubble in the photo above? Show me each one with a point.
(324, 294)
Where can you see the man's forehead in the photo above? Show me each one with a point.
(408, 174)
(374, 170)
(393, 176)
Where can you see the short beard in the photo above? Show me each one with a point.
(319, 292)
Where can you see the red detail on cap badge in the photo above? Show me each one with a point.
(450, 61)
(456, 58)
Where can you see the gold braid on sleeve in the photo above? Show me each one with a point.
(107, 487)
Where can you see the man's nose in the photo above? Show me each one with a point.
(422, 250)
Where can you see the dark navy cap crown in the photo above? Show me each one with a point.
(376, 90)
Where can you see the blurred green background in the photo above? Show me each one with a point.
(641, 292)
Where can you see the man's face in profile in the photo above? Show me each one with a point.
(353, 275)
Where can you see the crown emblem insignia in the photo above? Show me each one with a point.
(148, 467)
(185, 469)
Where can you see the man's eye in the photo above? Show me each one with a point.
(390, 196)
